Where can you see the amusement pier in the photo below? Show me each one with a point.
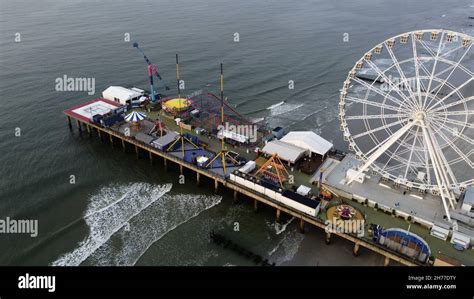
(405, 190)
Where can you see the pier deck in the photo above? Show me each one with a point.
(112, 134)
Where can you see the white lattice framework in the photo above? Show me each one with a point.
(406, 109)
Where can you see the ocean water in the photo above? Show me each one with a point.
(126, 212)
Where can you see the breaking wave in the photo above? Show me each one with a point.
(284, 108)
(279, 228)
(289, 241)
(108, 211)
(275, 105)
(127, 246)
(287, 247)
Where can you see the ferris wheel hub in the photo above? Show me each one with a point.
(421, 115)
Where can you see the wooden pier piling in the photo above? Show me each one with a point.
(79, 127)
(355, 251)
(255, 205)
(136, 152)
(236, 196)
(69, 123)
(278, 215)
(301, 226)
(150, 154)
(216, 186)
(328, 238)
(198, 178)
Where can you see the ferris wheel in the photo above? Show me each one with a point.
(406, 109)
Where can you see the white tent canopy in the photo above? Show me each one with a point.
(309, 141)
(135, 116)
(285, 151)
(120, 94)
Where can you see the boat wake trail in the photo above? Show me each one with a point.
(127, 246)
(108, 212)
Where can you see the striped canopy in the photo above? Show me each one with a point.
(135, 116)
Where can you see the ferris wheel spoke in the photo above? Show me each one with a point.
(376, 116)
(404, 151)
(448, 172)
(448, 95)
(439, 181)
(456, 149)
(372, 103)
(427, 161)
(455, 132)
(437, 75)
(421, 63)
(442, 59)
(382, 148)
(402, 74)
(438, 89)
(434, 68)
(407, 150)
(416, 153)
(454, 122)
(417, 68)
(387, 80)
(451, 51)
(412, 150)
(428, 49)
(395, 151)
(461, 101)
(444, 168)
(452, 66)
(380, 92)
(454, 113)
(456, 65)
(379, 129)
(379, 144)
(394, 167)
